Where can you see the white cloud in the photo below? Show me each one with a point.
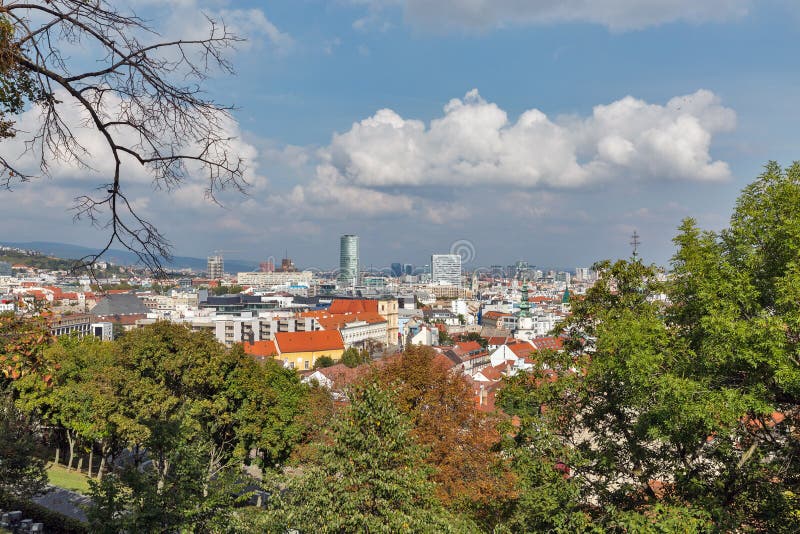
(614, 14)
(474, 143)
(187, 19)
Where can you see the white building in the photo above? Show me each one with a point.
(268, 280)
(446, 269)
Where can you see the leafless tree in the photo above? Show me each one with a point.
(143, 95)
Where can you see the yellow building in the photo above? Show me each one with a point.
(299, 350)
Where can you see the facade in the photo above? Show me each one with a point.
(446, 269)
(232, 330)
(348, 261)
(448, 292)
(386, 308)
(65, 325)
(103, 331)
(271, 279)
(299, 350)
(216, 267)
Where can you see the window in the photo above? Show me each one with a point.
(306, 365)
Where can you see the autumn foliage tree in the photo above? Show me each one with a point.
(461, 443)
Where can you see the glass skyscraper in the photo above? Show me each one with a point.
(348, 261)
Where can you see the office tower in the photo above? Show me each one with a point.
(216, 267)
(397, 269)
(446, 269)
(408, 269)
(348, 261)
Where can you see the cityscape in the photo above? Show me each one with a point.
(399, 266)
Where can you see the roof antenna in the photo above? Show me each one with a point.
(635, 244)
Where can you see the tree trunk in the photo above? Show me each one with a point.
(162, 475)
(91, 457)
(104, 450)
(58, 453)
(71, 441)
(80, 464)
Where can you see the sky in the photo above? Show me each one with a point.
(537, 130)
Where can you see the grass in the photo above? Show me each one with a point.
(71, 480)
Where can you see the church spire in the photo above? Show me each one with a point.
(524, 305)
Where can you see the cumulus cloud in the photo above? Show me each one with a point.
(614, 14)
(474, 143)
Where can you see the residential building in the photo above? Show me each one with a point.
(387, 308)
(230, 330)
(299, 350)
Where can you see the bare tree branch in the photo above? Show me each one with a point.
(145, 100)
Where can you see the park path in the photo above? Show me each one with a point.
(66, 502)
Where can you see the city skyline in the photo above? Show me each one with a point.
(536, 135)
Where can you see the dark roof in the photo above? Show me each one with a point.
(120, 304)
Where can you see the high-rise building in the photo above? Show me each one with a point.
(216, 267)
(446, 269)
(408, 269)
(348, 261)
(397, 269)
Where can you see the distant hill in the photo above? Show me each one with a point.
(126, 257)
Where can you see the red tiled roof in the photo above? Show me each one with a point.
(443, 361)
(552, 343)
(498, 340)
(493, 373)
(495, 315)
(521, 349)
(309, 341)
(353, 306)
(463, 347)
(339, 320)
(261, 348)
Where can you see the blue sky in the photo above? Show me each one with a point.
(526, 167)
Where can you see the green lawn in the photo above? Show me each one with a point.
(71, 480)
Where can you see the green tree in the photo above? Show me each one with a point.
(352, 357)
(268, 399)
(186, 500)
(22, 472)
(226, 290)
(370, 479)
(475, 336)
(323, 361)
